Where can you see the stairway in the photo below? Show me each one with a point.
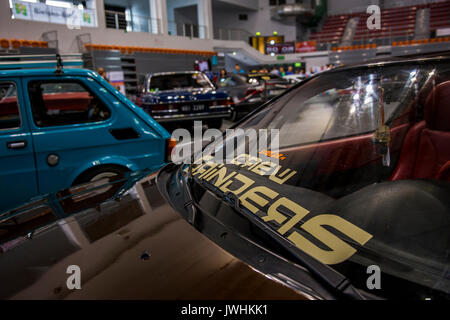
(422, 29)
(349, 31)
(128, 63)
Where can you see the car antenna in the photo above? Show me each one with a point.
(59, 64)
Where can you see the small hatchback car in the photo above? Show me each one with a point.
(60, 127)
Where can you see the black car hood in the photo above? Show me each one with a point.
(367, 212)
(132, 246)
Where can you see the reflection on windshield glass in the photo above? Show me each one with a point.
(346, 104)
(363, 176)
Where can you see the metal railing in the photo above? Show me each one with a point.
(52, 39)
(231, 34)
(386, 40)
(132, 23)
(187, 30)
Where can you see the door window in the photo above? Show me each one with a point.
(9, 106)
(58, 103)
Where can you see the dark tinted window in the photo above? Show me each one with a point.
(179, 81)
(239, 80)
(64, 103)
(9, 106)
(232, 81)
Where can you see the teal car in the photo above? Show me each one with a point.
(62, 127)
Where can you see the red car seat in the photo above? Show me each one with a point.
(426, 149)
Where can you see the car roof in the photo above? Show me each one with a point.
(172, 73)
(416, 58)
(46, 72)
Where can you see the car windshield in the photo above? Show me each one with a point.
(265, 76)
(361, 175)
(176, 81)
(256, 79)
(236, 80)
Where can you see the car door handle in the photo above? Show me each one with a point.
(16, 144)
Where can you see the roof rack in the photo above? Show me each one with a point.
(57, 61)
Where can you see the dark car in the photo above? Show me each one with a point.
(358, 190)
(128, 243)
(249, 91)
(354, 203)
(184, 97)
(273, 84)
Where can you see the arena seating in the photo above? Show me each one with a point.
(439, 15)
(332, 29)
(355, 47)
(397, 24)
(420, 41)
(6, 44)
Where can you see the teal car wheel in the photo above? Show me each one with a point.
(100, 172)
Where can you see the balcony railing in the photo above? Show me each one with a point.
(187, 30)
(368, 37)
(231, 34)
(385, 38)
(132, 23)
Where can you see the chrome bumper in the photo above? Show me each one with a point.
(192, 116)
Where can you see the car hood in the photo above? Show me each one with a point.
(132, 247)
(180, 96)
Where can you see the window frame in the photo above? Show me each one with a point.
(149, 80)
(18, 106)
(78, 81)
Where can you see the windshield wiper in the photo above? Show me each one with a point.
(337, 281)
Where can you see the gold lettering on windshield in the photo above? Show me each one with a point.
(221, 176)
(208, 173)
(340, 251)
(240, 159)
(252, 194)
(265, 168)
(246, 183)
(286, 213)
(274, 214)
(283, 177)
(212, 166)
(246, 160)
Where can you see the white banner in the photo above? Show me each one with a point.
(117, 79)
(443, 32)
(72, 17)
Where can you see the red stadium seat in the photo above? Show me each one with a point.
(15, 43)
(4, 43)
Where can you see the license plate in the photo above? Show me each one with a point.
(198, 107)
(275, 92)
(185, 108)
